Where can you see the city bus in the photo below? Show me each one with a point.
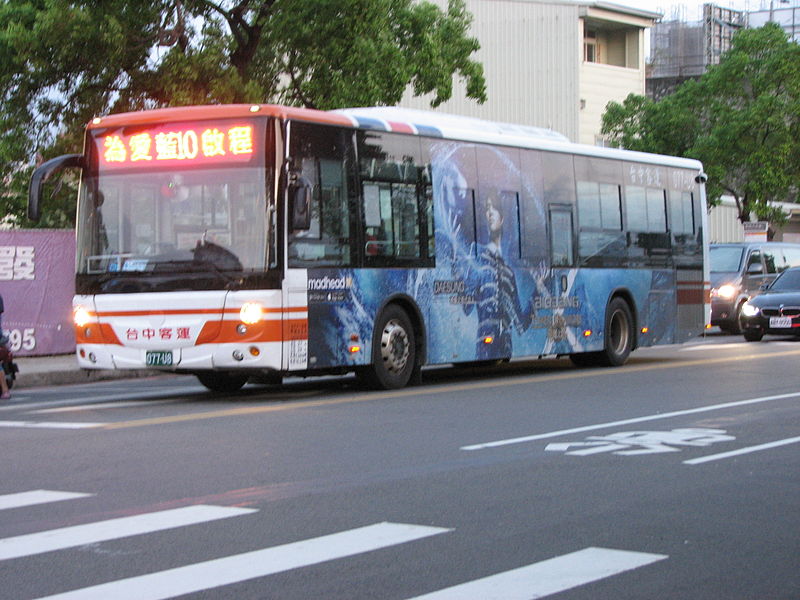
(245, 243)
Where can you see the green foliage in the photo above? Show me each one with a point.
(63, 62)
(741, 119)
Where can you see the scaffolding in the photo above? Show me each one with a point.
(681, 50)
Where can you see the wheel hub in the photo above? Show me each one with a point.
(394, 346)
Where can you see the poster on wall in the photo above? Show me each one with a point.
(37, 282)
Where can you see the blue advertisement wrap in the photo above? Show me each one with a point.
(493, 293)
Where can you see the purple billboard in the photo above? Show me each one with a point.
(37, 282)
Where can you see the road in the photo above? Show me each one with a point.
(675, 476)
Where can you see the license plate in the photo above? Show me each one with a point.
(158, 358)
(780, 322)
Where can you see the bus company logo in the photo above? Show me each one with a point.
(553, 302)
(330, 283)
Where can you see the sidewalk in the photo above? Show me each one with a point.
(37, 371)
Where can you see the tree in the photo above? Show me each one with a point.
(63, 62)
(741, 119)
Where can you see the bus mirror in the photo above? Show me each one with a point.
(300, 194)
(42, 174)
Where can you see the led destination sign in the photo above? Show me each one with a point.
(206, 143)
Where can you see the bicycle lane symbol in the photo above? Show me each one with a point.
(633, 443)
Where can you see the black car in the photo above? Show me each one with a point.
(775, 310)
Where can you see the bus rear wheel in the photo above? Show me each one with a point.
(222, 382)
(394, 351)
(618, 339)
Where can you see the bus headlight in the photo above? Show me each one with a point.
(251, 312)
(81, 316)
(726, 291)
(748, 310)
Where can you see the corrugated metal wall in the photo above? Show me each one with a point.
(530, 52)
(723, 223)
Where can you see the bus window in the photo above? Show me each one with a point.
(321, 155)
(397, 211)
(601, 241)
(561, 251)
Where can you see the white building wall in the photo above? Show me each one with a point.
(530, 54)
(600, 84)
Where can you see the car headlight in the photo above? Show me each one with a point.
(726, 291)
(748, 310)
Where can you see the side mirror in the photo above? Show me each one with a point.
(300, 198)
(42, 174)
(755, 269)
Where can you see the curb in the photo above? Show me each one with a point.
(51, 378)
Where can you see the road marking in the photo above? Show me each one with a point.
(472, 386)
(259, 563)
(549, 576)
(722, 455)
(50, 425)
(37, 497)
(18, 403)
(101, 406)
(669, 415)
(112, 529)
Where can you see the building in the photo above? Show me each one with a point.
(553, 63)
(681, 50)
(787, 17)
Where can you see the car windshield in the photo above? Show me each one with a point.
(789, 281)
(725, 259)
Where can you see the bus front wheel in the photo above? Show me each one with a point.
(222, 382)
(394, 351)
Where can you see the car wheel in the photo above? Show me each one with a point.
(222, 382)
(753, 335)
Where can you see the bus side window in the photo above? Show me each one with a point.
(322, 157)
(561, 232)
(397, 214)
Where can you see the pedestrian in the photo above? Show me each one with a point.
(4, 394)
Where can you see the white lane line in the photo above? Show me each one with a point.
(669, 415)
(718, 346)
(748, 450)
(549, 576)
(50, 425)
(33, 497)
(112, 529)
(259, 563)
(100, 406)
(169, 392)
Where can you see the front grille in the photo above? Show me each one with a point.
(786, 311)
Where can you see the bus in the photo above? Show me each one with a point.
(254, 242)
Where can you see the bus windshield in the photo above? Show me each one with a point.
(173, 221)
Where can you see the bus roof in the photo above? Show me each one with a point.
(401, 120)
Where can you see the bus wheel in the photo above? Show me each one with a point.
(394, 354)
(222, 382)
(618, 341)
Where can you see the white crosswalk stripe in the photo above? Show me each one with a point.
(112, 529)
(549, 576)
(33, 497)
(533, 581)
(241, 567)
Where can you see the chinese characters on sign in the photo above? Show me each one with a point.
(163, 333)
(218, 144)
(16, 263)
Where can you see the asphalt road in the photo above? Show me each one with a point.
(676, 476)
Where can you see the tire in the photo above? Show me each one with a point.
(222, 382)
(394, 351)
(735, 327)
(617, 340)
(753, 335)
